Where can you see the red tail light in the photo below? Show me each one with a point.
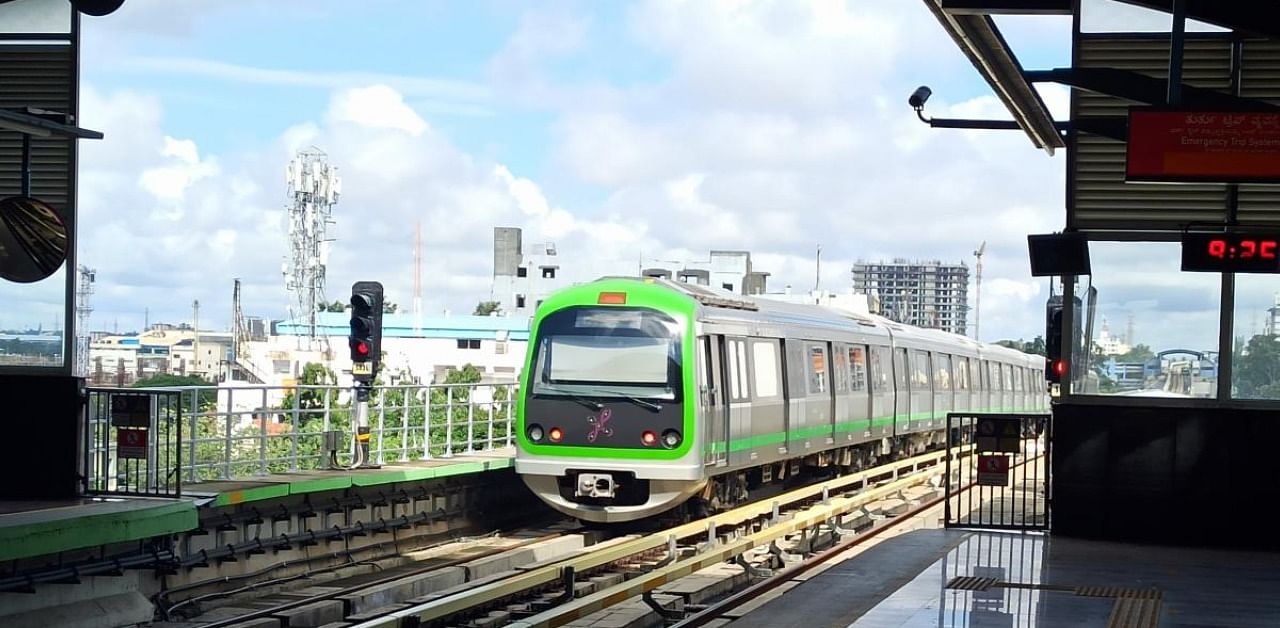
(648, 438)
(555, 434)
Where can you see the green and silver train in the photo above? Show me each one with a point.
(640, 395)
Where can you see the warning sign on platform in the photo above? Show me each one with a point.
(1203, 146)
(130, 410)
(999, 434)
(993, 470)
(131, 442)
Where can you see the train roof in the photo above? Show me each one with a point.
(718, 303)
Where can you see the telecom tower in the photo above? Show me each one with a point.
(84, 291)
(314, 188)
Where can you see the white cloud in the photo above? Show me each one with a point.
(378, 107)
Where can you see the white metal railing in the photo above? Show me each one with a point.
(253, 430)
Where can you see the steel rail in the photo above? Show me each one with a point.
(232, 621)
(752, 592)
(805, 519)
(553, 572)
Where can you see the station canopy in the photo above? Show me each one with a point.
(1199, 159)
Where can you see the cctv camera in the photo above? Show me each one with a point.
(919, 97)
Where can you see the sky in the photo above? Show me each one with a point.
(615, 130)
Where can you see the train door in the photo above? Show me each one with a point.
(737, 375)
(841, 416)
(943, 389)
(768, 406)
(902, 396)
(921, 411)
(881, 389)
(715, 400)
(859, 415)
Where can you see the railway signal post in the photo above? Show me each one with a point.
(365, 342)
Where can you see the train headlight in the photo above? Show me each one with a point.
(535, 432)
(556, 434)
(671, 439)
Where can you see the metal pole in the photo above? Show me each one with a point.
(1177, 37)
(293, 429)
(471, 420)
(362, 424)
(404, 424)
(382, 430)
(426, 424)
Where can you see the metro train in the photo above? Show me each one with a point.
(640, 395)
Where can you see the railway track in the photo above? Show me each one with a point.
(597, 577)
(585, 574)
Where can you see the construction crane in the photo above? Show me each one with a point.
(977, 299)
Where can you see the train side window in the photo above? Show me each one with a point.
(880, 369)
(738, 389)
(840, 362)
(900, 369)
(764, 362)
(920, 370)
(1008, 377)
(942, 372)
(816, 367)
(731, 351)
(962, 373)
(858, 368)
(994, 377)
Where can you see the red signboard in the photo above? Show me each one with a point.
(1205, 146)
(993, 470)
(131, 442)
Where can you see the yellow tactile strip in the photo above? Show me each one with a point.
(1133, 608)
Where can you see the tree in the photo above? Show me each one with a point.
(389, 307)
(1139, 353)
(1257, 371)
(336, 306)
(165, 380)
(485, 308)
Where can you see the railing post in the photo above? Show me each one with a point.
(195, 431)
(293, 430)
(262, 432)
(382, 424)
(511, 412)
(471, 418)
(404, 425)
(493, 409)
(226, 443)
(326, 420)
(448, 421)
(426, 424)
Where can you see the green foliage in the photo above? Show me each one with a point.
(1138, 353)
(389, 307)
(1257, 369)
(1036, 346)
(336, 306)
(207, 397)
(485, 308)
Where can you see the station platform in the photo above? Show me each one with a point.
(953, 579)
(275, 486)
(43, 528)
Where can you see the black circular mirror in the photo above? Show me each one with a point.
(33, 239)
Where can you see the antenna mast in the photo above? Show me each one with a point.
(314, 188)
(83, 308)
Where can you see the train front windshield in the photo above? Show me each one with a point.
(608, 352)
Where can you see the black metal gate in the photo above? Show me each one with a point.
(133, 442)
(998, 473)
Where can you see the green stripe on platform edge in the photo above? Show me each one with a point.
(50, 537)
(254, 494)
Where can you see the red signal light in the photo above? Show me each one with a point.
(362, 348)
(1060, 367)
(555, 434)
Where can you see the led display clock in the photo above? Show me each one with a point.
(1241, 252)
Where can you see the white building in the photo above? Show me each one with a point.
(522, 277)
(726, 270)
(1108, 344)
(123, 359)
